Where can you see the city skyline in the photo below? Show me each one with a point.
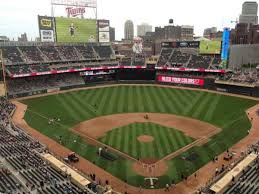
(20, 17)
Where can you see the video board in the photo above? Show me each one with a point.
(75, 29)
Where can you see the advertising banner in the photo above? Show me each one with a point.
(103, 30)
(225, 44)
(104, 37)
(177, 80)
(46, 28)
(47, 35)
(103, 25)
(181, 44)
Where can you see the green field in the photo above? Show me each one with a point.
(222, 111)
(210, 47)
(85, 29)
(172, 140)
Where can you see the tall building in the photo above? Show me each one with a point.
(212, 33)
(23, 38)
(112, 34)
(187, 32)
(173, 32)
(4, 39)
(143, 29)
(159, 33)
(245, 34)
(128, 30)
(208, 31)
(249, 13)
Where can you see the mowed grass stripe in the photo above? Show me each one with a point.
(121, 101)
(94, 100)
(131, 101)
(150, 148)
(167, 104)
(125, 98)
(171, 96)
(72, 113)
(147, 100)
(163, 139)
(175, 139)
(135, 100)
(110, 102)
(183, 97)
(97, 97)
(139, 105)
(101, 104)
(86, 110)
(111, 139)
(133, 142)
(117, 141)
(180, 139)
(172, 144)
(190, 109)
(126, 140)
(156, 100)
(73, 108)
(159, 145)
(116, 94)
(209, 114)
(180, 101)
(202, 106)
(190, 95)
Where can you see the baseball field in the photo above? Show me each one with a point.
(182, 128)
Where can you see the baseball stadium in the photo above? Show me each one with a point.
(82, 116)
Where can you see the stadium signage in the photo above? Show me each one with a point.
(177, 80)
(46, 23)
(75, 11)
(117, 67)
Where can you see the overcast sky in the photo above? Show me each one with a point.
(19, 16)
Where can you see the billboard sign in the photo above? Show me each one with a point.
(103, 30)
(46, 28)
(181, 44)
(177, 80)
(47, 35)
(75, 29)
(225, 44)
(75, 11)
(104, 37)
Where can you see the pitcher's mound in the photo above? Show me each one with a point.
(145, 138)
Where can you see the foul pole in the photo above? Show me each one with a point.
(3, 72)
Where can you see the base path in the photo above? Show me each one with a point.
(99, 126)
(190, 186)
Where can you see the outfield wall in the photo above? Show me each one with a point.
(142, 76)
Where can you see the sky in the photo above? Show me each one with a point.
(19, 16)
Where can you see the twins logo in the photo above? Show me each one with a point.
(75, 11)
(152, 182)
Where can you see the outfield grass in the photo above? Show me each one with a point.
(166, 140)
(225, 112)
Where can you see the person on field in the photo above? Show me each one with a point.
(167, 187)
